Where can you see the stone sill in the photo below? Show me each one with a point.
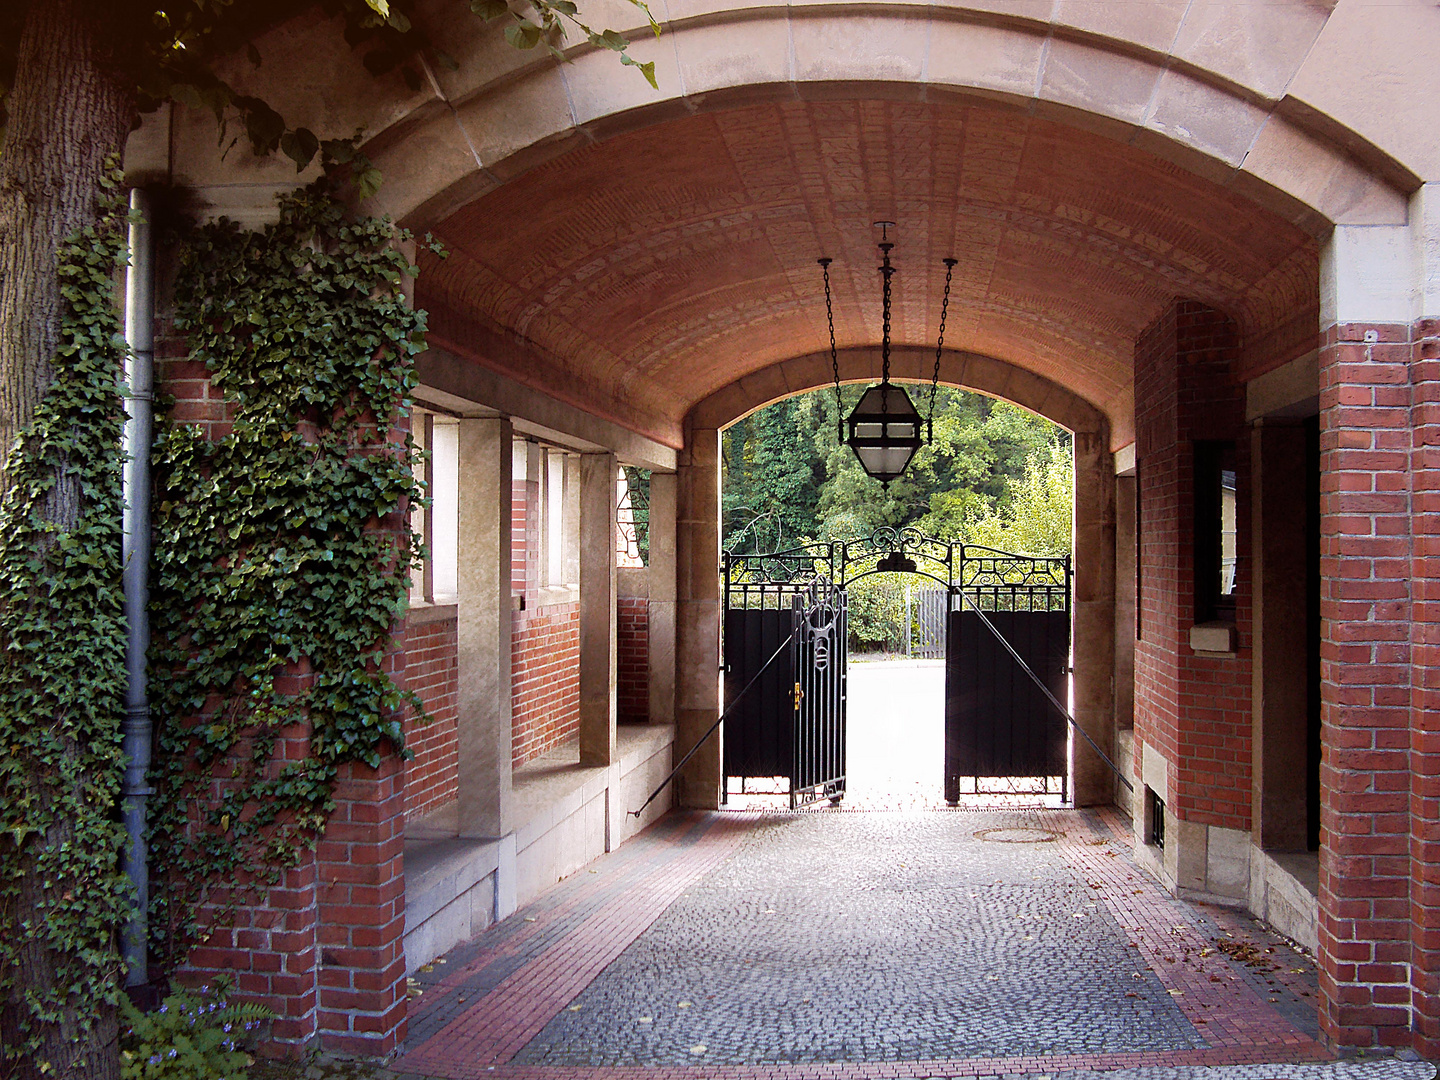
(550, 596)
(421, 613)
(1213, 639)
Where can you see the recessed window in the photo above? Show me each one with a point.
(1216, 532)
(1154, 819)
(438, 525)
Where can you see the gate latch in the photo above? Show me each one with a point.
(798, 695)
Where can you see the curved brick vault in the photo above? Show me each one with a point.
(644, 273)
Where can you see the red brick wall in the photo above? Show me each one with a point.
(1374, 813)
(517, 537)
(545, 672)
(633, 643)
(1425, 693)
(1195, 709)
(323, 948)
(430, 671)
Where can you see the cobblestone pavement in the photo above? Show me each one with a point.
(856, 945)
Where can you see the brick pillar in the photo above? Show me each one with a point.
(1365, 444)
(361, 868)
(1192, 709)
(1425, 691)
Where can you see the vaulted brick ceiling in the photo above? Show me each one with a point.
(642, 273)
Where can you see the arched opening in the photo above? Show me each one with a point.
(914, 559)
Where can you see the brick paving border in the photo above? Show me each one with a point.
(516, 1010)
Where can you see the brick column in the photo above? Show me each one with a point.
(1192, 709)
(361, 887)
(1365, 606)
(1425, 689)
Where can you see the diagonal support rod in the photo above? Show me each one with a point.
(726, 712)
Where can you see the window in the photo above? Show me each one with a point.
(1216, 535)
(438, 526)
(1154, 819)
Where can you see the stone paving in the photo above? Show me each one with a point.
(887, 945)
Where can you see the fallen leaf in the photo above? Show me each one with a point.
(698, 1048)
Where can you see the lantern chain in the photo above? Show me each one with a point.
(939, 348)
(834, 363)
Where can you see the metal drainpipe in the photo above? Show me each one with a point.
(140, 336)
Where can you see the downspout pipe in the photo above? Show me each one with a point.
(139, 431)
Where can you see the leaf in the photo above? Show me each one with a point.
(340, 151)
(523, 35)
(647, 68)
(446, 61)
(367, 181)
(489, 10)
(300, 146)
(253, 54)
(613, 39)
(187, 95)
(380, 7)
(264, 126)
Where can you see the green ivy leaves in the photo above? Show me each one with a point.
(282, 549)
(62, 680)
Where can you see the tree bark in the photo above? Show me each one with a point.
(69, 111)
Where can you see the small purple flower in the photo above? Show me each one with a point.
(155, 1059)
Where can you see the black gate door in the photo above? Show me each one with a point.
(791, 722)
(817, 760)
(998, 723)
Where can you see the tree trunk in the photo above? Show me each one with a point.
(68, 113)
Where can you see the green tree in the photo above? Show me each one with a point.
(1038, 517)
(771, 477)
(75, 76)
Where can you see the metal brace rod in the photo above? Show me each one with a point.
(716, 726)
(1046, 691)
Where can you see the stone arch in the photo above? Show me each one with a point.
(968, 371)
(1232, 123)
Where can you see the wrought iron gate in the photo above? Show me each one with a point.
(787, 637)
(998, 723)
(785, 633)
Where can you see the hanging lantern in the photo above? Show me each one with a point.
(884, 427)
(884, 431)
